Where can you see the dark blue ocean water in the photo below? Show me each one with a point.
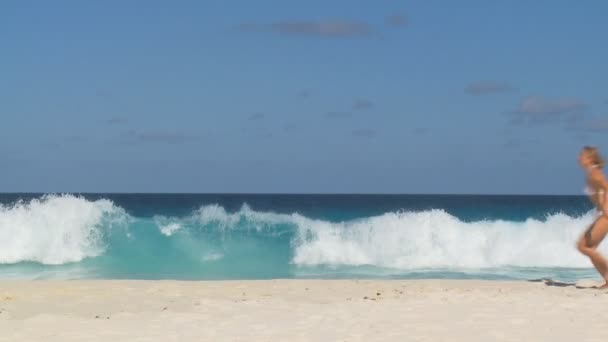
(234, 236)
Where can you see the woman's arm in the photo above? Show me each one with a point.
(602, 197)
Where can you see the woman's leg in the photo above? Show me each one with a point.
(589, 242)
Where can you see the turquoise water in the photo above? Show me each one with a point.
(291, 236)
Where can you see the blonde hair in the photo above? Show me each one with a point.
(595, 156)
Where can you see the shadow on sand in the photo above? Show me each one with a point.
(556, 283)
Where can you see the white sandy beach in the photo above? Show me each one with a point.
(300, 310)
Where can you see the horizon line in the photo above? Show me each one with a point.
(285, 193)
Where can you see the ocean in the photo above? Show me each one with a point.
(240, 236)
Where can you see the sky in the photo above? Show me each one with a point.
(269, 96)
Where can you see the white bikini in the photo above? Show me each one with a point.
(589, 190)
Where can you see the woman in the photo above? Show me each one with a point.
(597, 188)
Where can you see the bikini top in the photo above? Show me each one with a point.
(589, 190)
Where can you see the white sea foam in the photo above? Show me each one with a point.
(167, 226)
(212, 256)
(245, 218)
(435, 239)
(56, 229)
(428, 239)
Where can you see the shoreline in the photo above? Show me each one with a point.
(297, 309)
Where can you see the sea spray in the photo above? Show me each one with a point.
(56, 229)
(75, 236)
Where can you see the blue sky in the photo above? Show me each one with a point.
(317, 96)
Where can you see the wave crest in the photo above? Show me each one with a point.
(435, 239)
(56, 229)
(417, 240)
